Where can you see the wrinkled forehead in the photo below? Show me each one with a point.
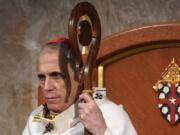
(48, 59)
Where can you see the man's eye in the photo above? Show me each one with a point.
(41, 77)
(57, 75)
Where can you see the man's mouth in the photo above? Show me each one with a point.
(51, 98)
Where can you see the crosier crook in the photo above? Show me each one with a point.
(85, 36)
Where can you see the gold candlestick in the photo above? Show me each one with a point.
(100, 76)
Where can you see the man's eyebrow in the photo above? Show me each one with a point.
(57, 73)
(40, 75)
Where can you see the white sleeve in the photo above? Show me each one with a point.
(108, 132)
(117, 121)
(31, 126)
(26, 129)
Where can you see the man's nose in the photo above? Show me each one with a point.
(48, 86)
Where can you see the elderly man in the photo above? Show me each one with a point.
(64, 112)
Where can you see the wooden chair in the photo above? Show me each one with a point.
(133, 62)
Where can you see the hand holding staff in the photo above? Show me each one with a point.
(85, 36)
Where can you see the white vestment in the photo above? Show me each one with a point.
(67, 122)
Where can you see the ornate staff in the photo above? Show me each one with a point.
(85, 35)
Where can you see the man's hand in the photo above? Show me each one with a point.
(90, 115)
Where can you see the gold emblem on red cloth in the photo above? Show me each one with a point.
(168, 89)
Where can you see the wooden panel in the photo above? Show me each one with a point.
(132, 79)
(138, 36)
(134, 61)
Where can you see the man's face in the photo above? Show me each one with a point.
(52, 82)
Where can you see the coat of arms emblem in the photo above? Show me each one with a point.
(168, 89)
